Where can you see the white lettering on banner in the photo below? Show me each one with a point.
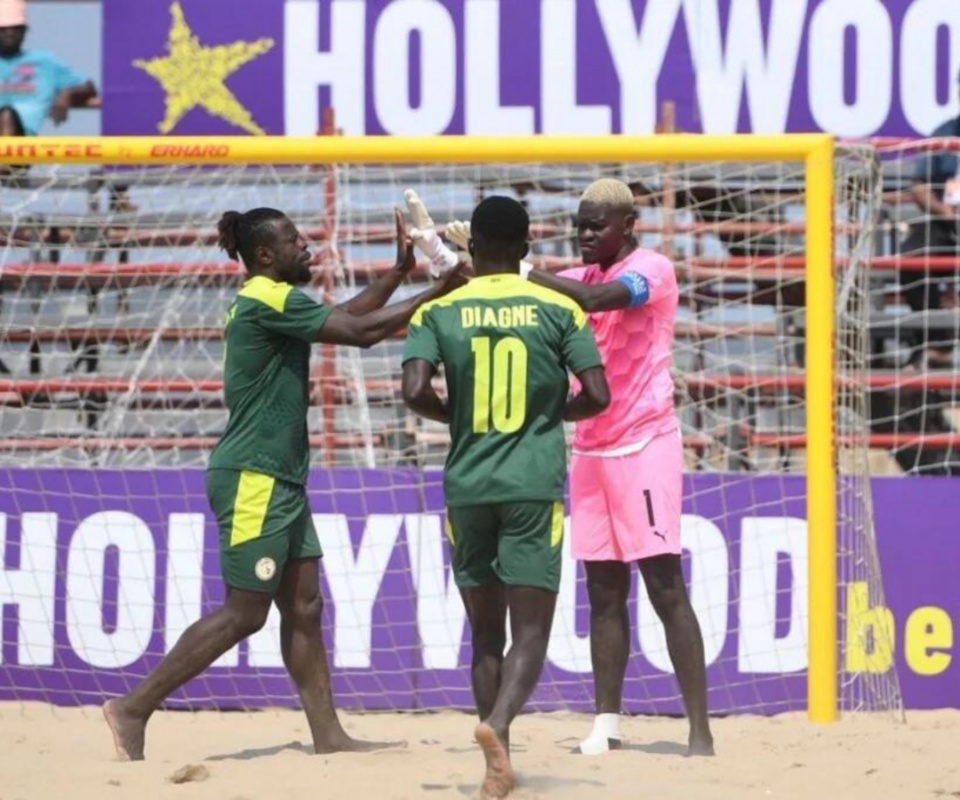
(483, 113)
(567, 649)
(918, 63)
(136, 579)
(305, 69)
(184, 594)
(263, 648)
(742, 63)
(561, 113)
(709, 594)
(355, 582)
(31, 587)
(184, 589)
(440, 611)
(762, 541)
(638, 58)
(826, 63)
(392, 66)
(766, 69)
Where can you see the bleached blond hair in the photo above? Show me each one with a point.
(608, 191)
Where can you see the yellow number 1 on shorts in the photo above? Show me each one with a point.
(500, 399)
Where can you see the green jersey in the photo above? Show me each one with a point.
(506, 345)
(266, 367)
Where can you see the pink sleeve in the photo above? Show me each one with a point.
(574, 273)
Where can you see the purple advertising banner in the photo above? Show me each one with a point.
(101, 571)
(854, 68)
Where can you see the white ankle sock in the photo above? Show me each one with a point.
(605, 728)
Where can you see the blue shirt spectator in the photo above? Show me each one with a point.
(33, 85)
(31, 82)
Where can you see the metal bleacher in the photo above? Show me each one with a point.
(110, 321)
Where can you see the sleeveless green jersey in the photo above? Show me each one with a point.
(266, 370)
(506, 346)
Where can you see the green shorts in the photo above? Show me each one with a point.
(264, 522)
(515, 543)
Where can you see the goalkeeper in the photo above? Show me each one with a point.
(257, 474)
(627, 467)
(506, 346)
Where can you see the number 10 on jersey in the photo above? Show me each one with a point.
(499, 384)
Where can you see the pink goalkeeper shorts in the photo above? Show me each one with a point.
(627, 508)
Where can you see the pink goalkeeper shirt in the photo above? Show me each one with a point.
(636, 345)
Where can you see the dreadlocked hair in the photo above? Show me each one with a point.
(240, 234)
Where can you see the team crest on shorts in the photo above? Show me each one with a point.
(265, 568)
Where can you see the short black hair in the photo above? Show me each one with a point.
(500, 221)
(240, 234)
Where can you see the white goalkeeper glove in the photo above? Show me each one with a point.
(458, 233)
(425, 237)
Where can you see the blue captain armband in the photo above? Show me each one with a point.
(638, 287)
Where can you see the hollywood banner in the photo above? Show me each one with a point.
(854, 68)
(102, 570)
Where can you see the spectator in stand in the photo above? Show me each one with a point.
(935, 232)
(34, 85)
(936, 190)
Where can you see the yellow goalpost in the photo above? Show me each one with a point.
(815, 152)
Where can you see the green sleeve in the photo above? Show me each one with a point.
(579, 347)
(301, 318)
(421, 341)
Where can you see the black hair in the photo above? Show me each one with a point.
(499, 222)
(240, 234)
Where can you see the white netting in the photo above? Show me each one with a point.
(916, 312)
(110, 338)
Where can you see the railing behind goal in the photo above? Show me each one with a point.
(113, 298)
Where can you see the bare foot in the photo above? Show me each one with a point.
(700, 746)
(499, 780)
(128, 730)
(344, 744)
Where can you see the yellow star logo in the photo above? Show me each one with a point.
(193, 75)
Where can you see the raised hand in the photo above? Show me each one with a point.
(425, 237)
(406, 258)
(457, 233)
(422, 221)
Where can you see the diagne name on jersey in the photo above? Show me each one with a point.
(520, 316)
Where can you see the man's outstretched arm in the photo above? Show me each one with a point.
(590, 297)
(72, 97)
(381, 290)
(925, 197)
(594, 396)
(342, 327)
(418, 392)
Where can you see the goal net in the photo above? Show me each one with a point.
(111, 319)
